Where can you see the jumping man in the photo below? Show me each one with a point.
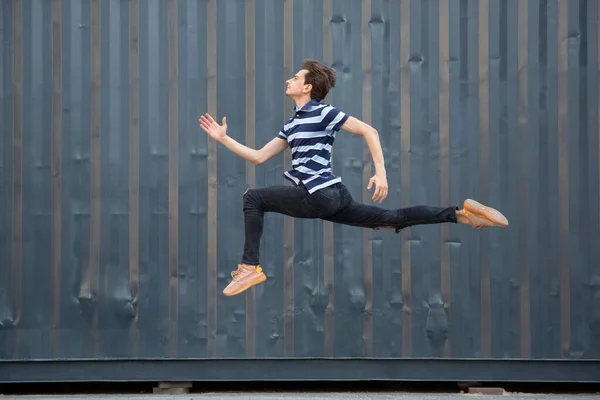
(316, 192)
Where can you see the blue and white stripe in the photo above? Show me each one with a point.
(310, 134)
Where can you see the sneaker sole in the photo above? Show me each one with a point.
(247, 286)
(488, 213)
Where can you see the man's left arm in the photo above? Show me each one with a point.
(371, 136)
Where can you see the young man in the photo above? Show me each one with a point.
(316, 192)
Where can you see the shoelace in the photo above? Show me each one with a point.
(237, 272)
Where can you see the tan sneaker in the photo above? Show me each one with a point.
(244, 278)
(482, 216)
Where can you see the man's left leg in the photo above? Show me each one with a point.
(370, 216)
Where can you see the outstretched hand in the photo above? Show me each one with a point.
(381, 187)
(214, 130)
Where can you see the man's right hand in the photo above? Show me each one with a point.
(256, 157)
(214, 130)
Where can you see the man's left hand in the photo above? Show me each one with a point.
(381, 187)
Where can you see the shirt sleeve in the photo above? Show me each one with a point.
(282, 134)
(337, 118)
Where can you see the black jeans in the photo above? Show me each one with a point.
(333, 203)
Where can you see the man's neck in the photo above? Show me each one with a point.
(301, 102)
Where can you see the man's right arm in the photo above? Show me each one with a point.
(256, 157)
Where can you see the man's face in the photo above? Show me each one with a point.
(295, 86)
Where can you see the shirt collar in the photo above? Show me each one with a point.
(308, 106)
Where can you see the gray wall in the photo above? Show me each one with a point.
(120, 222)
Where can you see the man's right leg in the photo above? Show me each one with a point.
(287, 200)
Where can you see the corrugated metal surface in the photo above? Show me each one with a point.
(120, 222)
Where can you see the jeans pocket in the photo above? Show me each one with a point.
(323, 202)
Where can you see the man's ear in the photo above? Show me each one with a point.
(307, 88)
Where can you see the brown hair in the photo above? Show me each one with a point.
(320, 76)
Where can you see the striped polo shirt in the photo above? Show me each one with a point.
(310, 134)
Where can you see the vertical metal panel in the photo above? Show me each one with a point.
(596, 200)
(211, 107)
(498, 110)
(423, 183)
(405, 165)
(593, 43)
(563, 175)
(192, 157)
(250, 170)
(328, 243)
(483, 163)
(579, 171)
(471, 106)
(374, 29)
(534, 125)
(5, 187)
(525, 177)
(36, 311)
(497, 118)
(505, 109)
(114, 156)
(370, 25)
(16, 179)
(271, 311)
(309, 288)
(551, 171)
(134, 174)
(12, 131)
(348, 163)
(121, 221)
(385, 117)
(73, 336)
(5, 263)
(249, 54)
(444, 309)
(91, 286)
(288, 222)
(173, 178)
(57, 111)
(153, 179)
(456, 283)
(231, 170)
